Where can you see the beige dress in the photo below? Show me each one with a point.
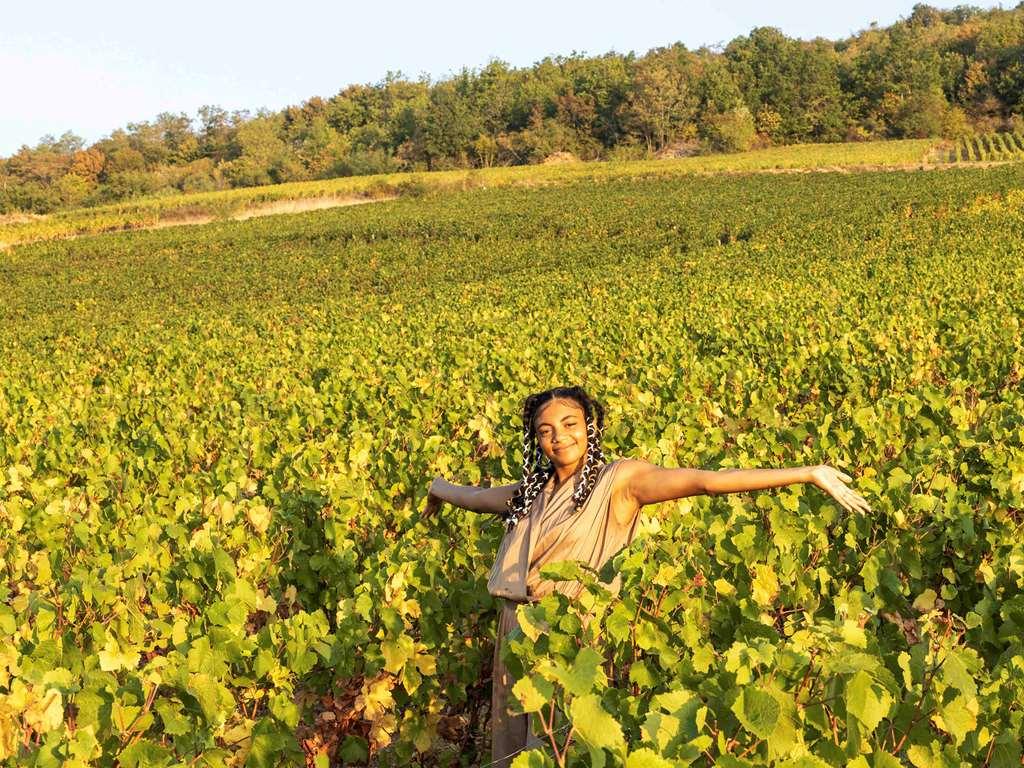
(552, 532)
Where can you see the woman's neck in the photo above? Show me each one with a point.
(563, 474)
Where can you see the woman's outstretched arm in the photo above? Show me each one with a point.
(645, 483)
(489, 500)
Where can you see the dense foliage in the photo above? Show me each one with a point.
(197, 207)
(213, 442)
(934, 73)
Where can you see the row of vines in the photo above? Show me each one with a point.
(993, 146)
(214, 443)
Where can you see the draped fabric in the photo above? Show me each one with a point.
(553, 532)
(510, 734)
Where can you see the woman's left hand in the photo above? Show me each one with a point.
(833, 482)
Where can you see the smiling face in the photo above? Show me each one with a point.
(562, 433)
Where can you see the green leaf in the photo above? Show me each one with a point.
(585, 674)
(958, 717)
(396, 652)
(1006, 752)
(270, 745)
(925, 601)
(757, 711)
(846, 662)
(869, 572)
(641, 674)
(646, 758)
(921, 756)
(595, 726)
(867, 700)
(661, 729)
(883, 759)
(144, 754)
(805, 761)
(113, 658)
(174, 721)
(955, 673)
(533, 692)
(854, 635)
(208, 692)
(531, 620)
(703, 658)
(648, 636)
(354, 749)
(619, 623)
(728, 761)
(533, 758)
(567, 570)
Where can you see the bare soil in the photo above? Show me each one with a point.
(19, 218)
(298, 205)
(560, 158)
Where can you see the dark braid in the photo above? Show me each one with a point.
(537, 470)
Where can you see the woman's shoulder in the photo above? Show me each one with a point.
(619, 473)
(621, 467)
(616, 475)
(616, 471)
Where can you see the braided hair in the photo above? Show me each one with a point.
(537, 469)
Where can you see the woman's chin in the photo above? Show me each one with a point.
(565, 459)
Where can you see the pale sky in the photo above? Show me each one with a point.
(91, 67)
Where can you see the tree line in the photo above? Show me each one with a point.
(935, 73)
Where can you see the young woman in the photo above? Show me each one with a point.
(572, 504)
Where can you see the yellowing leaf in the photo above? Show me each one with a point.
(765, 585)
(381, 730)
(259, 517)
(396, 652)
(376, 698)
(426, 663)
(113, 658)
(854, 635)
(925, 601)
(724, 588)
(46, 712)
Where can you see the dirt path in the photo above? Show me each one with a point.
(272, 208)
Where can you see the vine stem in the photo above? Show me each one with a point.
(568, 741)
(549, 728)
(917, 707)
(750, 749)
(807, 674)
(988, 755)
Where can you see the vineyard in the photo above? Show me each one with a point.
(214, 442)
(993, 146)
(156, 212)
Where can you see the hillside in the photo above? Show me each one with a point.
(215, 443)
(199, 208)
(937, 73)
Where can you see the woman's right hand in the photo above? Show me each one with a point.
(434, 502)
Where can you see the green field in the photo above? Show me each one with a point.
(177, 209)
(214, 440)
